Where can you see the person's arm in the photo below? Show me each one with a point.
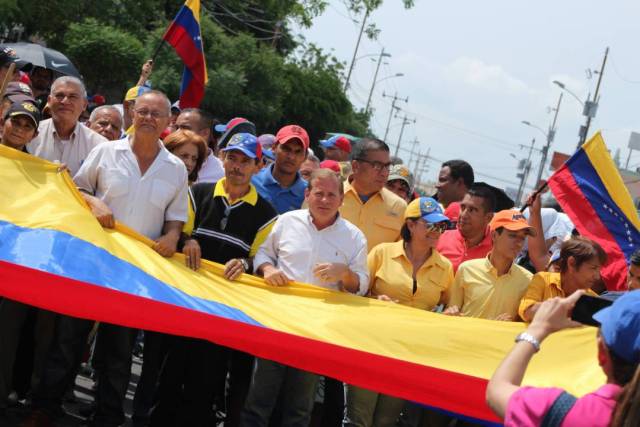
(100, 210)
(455, 295)
(266, 252)
(532, 298)
(167, 244)
(86, 179)
(147, 68)
(538, 254)
(553, 315)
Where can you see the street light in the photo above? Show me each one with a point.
(563, 87)
(373, 85)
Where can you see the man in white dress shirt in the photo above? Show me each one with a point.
(137, 182)
(315, 246)
(62, 138)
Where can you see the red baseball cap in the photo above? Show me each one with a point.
(292, 132)
(330, 164)
(337, 141)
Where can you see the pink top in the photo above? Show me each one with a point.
(528, 406)
(451, 244)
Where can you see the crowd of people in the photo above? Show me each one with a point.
(265, 204)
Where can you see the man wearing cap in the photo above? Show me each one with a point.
(281, 183)
(317, 246)
(400, 182)
(618, 355)
(336, 148)
(128, 103)
(107, 121)
(7, 57)
(15, 92)
(230, 222)
(491, 287)
(62, 138)
(200, 121)
(135, 181)
(471, 239)
(376, 211)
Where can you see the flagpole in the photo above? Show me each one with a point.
(542, 188)
(155, 52)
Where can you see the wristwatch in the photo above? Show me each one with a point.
(525, 336)
(245, 264)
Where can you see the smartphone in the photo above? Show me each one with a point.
(586, 307)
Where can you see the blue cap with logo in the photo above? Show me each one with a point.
(245, 143)
(426, 208)
(620, 326)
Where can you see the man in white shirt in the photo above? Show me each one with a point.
(315, 246)
(138, 182)
(200, 122)
(62, 138)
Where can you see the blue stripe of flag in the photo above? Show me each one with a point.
(186, 20)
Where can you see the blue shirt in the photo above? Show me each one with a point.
(283, 199)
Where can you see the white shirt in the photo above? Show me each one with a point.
(295, 246)
(211, 170)
(49, 146)
(144, 203)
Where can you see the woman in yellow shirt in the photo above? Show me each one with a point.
(410, 272)
(580, 262)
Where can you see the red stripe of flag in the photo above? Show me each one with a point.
(430, 386)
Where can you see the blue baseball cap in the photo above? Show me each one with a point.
(620, 326)
(426, 208)
(337, 141)
(245, 143)
(268, 154)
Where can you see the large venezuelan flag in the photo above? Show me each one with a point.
(55, 255)
(184, 35)
(591, 191)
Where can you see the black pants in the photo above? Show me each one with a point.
(115, 344)
(156, 347)
(189, 384)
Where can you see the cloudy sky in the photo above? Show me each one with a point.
(473, 70)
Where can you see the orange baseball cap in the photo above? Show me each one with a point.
(511, 219)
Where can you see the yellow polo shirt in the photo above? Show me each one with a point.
(380, 218)
(391, 274)
(544, 285)
(478, 291)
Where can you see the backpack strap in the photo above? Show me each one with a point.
(559, 410)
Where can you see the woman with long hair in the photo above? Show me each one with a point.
(190, 147)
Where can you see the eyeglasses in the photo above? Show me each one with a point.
(378, 166)
(153, 114)
(225, 218)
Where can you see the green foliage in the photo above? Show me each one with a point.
(256, 67)
(109, 57)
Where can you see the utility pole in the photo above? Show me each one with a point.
(421, 169)
(551, 133)
(525, 173)
(393, 107)
(355, 52)
(375, 77)
(591, 107)
(414, 143)
(405, 121)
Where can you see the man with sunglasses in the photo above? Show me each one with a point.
(230, 222)
(376, 211)
(491, 287)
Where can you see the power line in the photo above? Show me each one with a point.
(615, 70)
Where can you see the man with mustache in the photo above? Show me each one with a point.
(281, 183)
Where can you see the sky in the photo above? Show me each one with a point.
(474, 70)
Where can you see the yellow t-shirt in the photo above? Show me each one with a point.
(544, 285)
(380, 218)
(478, 291)
(391, 274)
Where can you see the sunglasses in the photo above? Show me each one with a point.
(440, 227)
(225, 218)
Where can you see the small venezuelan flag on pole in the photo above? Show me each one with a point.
(590, 190)
(184, 35)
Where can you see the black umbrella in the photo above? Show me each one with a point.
(44, 57)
